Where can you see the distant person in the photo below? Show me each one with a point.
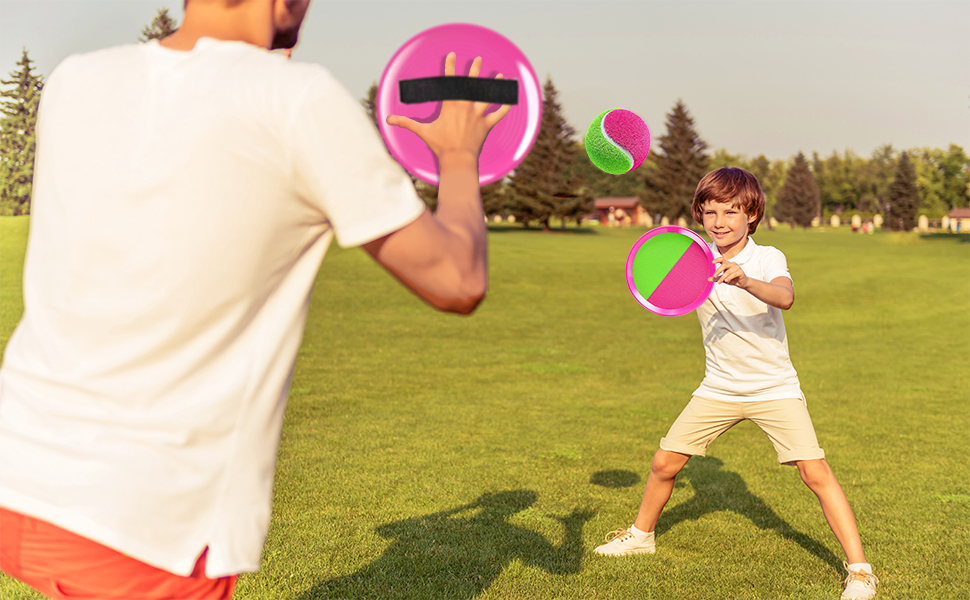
(749, 374)
(185, 194)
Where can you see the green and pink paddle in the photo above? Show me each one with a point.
(668, 269)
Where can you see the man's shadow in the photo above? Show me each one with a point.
(458, 553)
(717, 490)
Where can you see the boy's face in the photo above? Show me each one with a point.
(726, 223)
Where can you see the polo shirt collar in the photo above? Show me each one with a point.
(743, 256)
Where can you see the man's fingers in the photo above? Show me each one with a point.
(403, 123)
(450, 64)
(481, 107)
(492, 119)
(476, 67)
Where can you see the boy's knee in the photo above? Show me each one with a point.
(667, 464)
(815, 472)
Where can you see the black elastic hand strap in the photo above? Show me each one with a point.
(434, 89)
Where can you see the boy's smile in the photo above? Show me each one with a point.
(727, 226)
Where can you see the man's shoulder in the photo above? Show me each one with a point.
(218, 51)
(94, 58)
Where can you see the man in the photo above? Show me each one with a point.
(185, 195)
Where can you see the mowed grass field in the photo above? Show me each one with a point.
(436, 456)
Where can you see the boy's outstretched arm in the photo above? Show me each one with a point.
(778, 292)
(443, 258)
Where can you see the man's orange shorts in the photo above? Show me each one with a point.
(64, 565)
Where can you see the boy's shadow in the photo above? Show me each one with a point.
(717, 490)
(458, 553)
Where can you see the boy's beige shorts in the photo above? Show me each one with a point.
(785, 421)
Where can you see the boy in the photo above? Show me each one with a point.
(749, 374)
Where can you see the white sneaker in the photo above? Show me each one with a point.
(859, 585)
(621, 543)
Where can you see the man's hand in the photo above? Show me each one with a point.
(443, 258)
(462, 126)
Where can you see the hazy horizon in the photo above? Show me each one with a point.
(771, 78)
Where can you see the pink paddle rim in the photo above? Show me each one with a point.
(424, 56)
(696, 240)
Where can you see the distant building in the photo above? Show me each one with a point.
(957, 220)
(620, 212)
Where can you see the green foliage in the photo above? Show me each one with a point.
(369, 102)
(680, 164)
(837, 178)
(902, 199)
(931, 181)
(545, 185)
(770, 173)
(18, 137)
(798, 199)
(851, 183)
(943, 179)
(161, 26)
(495, 198)
(875, 178)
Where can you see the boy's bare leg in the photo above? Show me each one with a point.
(660, 484)
(819, 478)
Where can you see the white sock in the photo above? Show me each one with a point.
(640, 535)
(865, 567)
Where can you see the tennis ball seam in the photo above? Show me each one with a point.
(613, 142)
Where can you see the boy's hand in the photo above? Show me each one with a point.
(730, 273)
(778, 292)
(461, 127)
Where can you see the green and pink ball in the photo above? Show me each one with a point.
(617, 141)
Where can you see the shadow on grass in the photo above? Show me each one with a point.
(959, 238)
(716, 490)
(458, 553)
(614, 479)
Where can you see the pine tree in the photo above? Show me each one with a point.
(495, 198)
(369, 102)
(680, 164)
(798, 198)
(875, 177)
(544, 184)
(902, 199)
(161, 26)
(18, 122)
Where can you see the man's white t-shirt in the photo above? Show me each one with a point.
(744, 338)
(183, 202)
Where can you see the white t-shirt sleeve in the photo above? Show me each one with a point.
(343, 169)
(774, 264)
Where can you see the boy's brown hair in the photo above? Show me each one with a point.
(730, 184)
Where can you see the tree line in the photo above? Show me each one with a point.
(557, 182)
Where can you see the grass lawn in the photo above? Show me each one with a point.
(436, 456)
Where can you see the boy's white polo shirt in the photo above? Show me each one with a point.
(183, 202)
(744, 338)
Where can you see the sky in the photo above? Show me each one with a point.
(758, 77)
